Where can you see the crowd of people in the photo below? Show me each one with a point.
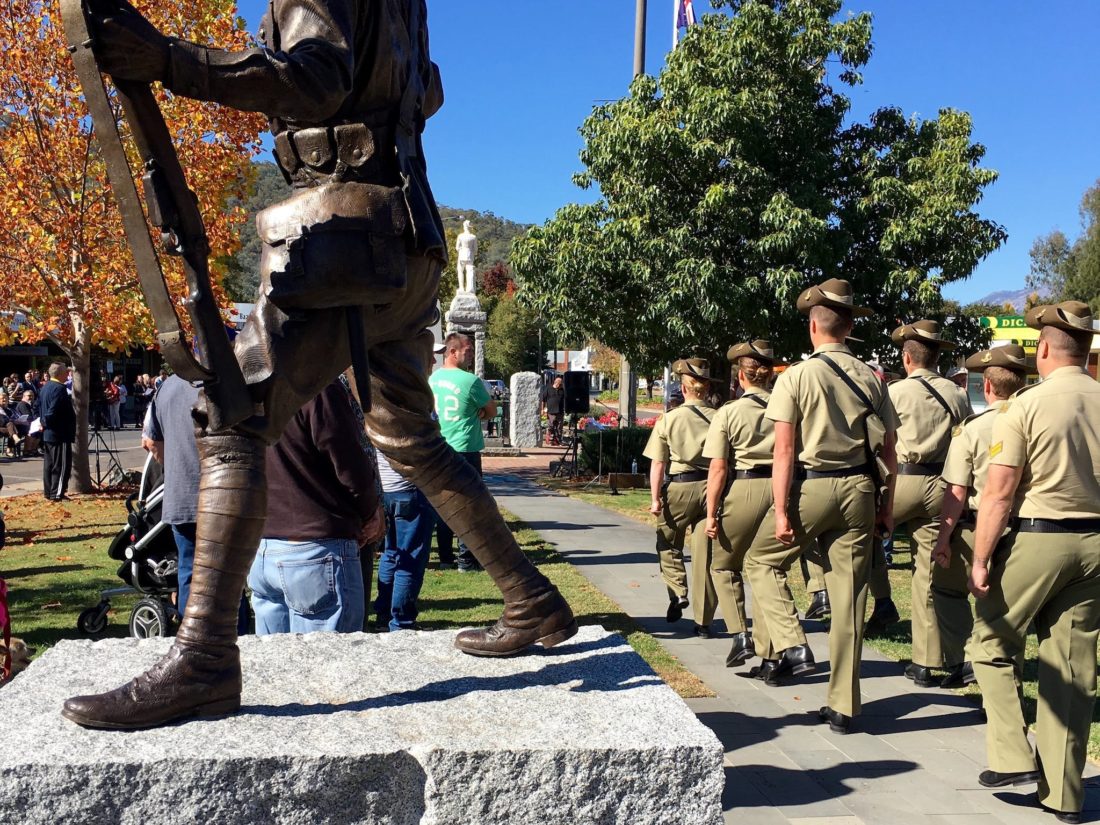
(820, 465)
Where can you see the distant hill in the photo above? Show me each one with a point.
(1017, 297)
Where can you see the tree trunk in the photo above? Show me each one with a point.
(82, 378)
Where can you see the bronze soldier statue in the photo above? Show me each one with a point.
(347, 85)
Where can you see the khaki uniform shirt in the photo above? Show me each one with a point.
(1052, 430)
(678, 436)
(741, 430)
(826, 413)
(968, 456)
(925, 431)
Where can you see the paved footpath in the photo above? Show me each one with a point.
(913, 756)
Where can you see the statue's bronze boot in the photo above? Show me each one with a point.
(534, 610)
(201, 674)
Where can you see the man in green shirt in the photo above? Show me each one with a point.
(462, 402)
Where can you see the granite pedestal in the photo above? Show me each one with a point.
(395, 728)
(523, 410)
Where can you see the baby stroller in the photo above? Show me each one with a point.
(147, 552)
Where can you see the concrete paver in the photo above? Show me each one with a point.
(913, 756)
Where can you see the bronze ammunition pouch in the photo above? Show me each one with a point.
(345, 152)
(335, 245)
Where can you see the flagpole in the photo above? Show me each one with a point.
(675, 24)
(628, 383)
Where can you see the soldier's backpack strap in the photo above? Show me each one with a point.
(880, 473)
(756, 399)
(698, 412)
(847, 379)
(932, 391)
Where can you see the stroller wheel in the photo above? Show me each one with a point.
(149, 619)
(93, 620)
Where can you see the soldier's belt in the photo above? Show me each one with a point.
(930, 469)
(755, 472)
(810, 475)
(353, 147)
(1062, 525)
(695, 475)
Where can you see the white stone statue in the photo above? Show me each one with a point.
(466, 247)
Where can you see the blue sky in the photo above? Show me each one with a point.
(520, 76)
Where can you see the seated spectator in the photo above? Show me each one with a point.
(322, 506)
(409, 524)
(12, 438)
(26, 411)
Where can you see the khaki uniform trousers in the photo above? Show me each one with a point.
(812, 572)
(685, 507)
(951, 597)
(917, 504)
(880, 574)
(744, 509)
(1052, 579)
(840, 514)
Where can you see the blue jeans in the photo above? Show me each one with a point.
(303, 586)
(446, 536)
(409, 523)
(184, 534)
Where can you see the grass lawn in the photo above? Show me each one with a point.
(897, 644)
(56, 564)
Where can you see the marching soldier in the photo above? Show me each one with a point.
(1043, 484)
(676, 445)
(740, 435)
(834, 422)
(929, 407)
(1004, 371)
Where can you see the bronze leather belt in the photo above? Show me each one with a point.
(1061, 525)
(755, 472)
(695, 475)
(354, 148)
(847, 472)
(930, 469)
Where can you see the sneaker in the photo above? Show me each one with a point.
(446, 565)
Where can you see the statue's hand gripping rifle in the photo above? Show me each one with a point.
(173, 210)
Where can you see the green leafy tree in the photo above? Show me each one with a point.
(1066, 270)
(512, 339)
(731, 182)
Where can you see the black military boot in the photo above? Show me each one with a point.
(742, 650)
(819, 605)
(959, 676)
(884, 615)
(794, 661)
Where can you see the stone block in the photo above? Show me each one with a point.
(396, 728)
(523, 415)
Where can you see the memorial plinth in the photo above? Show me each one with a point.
(396, 728)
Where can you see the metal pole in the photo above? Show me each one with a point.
(628, 383)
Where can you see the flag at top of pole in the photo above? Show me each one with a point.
(683, 15)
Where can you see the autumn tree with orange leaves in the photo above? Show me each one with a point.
(64, 261)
